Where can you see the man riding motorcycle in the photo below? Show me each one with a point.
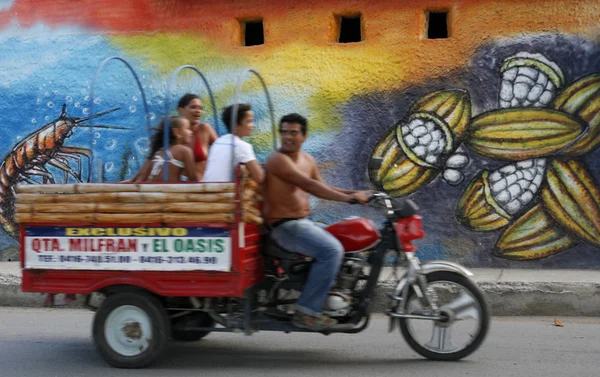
(291, 175)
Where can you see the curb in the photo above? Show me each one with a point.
(504, 298)
(527, 299)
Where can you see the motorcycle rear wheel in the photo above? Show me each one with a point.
(471, 303)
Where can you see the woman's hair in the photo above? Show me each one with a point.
(186, 99)
(241, 111)
(157, 141)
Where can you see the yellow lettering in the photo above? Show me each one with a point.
(180, 232)
(163, 232)
(70, 231)
(140, 232)
(125, 231)
(98, 231)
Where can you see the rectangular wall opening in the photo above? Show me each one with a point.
(254, 33)
(437, 25)
(350, 29)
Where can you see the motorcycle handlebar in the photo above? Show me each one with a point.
(374, 196)
(401, 207)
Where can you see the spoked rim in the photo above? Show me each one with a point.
(128, 330)
(459, 310)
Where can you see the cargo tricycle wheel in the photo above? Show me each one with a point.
(131, 330)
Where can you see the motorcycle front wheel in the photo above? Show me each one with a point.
(465, 318)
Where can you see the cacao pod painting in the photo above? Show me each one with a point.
(541, 199)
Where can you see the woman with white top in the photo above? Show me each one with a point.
(219, 166)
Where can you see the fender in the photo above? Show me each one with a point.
(426, 268)
(442, 265)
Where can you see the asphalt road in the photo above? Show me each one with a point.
(57, 342)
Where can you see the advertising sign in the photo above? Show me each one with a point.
(127, 248)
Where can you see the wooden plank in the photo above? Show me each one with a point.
(198, 218)
(188, 188)
(56, 208)
(253, 219)
(125, 208)
(198, 207)
(55, 218)
(125, 197)
(123, 218)
(253, 210)
(45, 188)
(251, 194)
(126, 218)
(120, 187)
(250, 184)
(128, 207)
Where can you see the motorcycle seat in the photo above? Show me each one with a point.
(273, 249)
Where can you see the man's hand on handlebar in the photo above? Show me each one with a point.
(360, 197)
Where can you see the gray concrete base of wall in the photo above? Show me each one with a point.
(531, 299)
(509, 292)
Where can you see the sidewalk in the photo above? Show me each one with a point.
(509, 291)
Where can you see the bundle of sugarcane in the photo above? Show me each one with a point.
(139, 203)
(251, 198)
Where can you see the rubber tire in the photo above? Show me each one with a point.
(192, 336)
(485, 318)
(160, 329)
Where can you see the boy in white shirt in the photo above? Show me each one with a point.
(219, 167)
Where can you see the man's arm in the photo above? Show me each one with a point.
(282, 166)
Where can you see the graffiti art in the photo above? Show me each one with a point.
(544, 198)
(28, 160)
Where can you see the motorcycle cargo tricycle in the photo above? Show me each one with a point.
(180, 261)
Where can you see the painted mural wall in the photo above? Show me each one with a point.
(493, 131)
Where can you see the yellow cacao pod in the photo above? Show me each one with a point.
(451, 106)
(398, 175)
(522, 133)
(532, 236)
(477, 209)
(572, 198)
(582, 99)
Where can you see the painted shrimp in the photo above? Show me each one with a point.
(28, 160)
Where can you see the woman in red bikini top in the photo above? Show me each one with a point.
(191, 108)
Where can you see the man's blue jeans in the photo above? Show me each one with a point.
(306, 237)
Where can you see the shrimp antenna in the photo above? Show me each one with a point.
(79, 120)
(102, 126)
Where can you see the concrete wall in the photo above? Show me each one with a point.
(492, 131)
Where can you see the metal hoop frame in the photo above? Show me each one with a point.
(93, 94)
(167, 95)
(241, 80)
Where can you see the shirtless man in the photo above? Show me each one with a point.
(291, 175)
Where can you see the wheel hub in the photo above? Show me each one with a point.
(132, 330)
(447, 318)
(128, 330)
